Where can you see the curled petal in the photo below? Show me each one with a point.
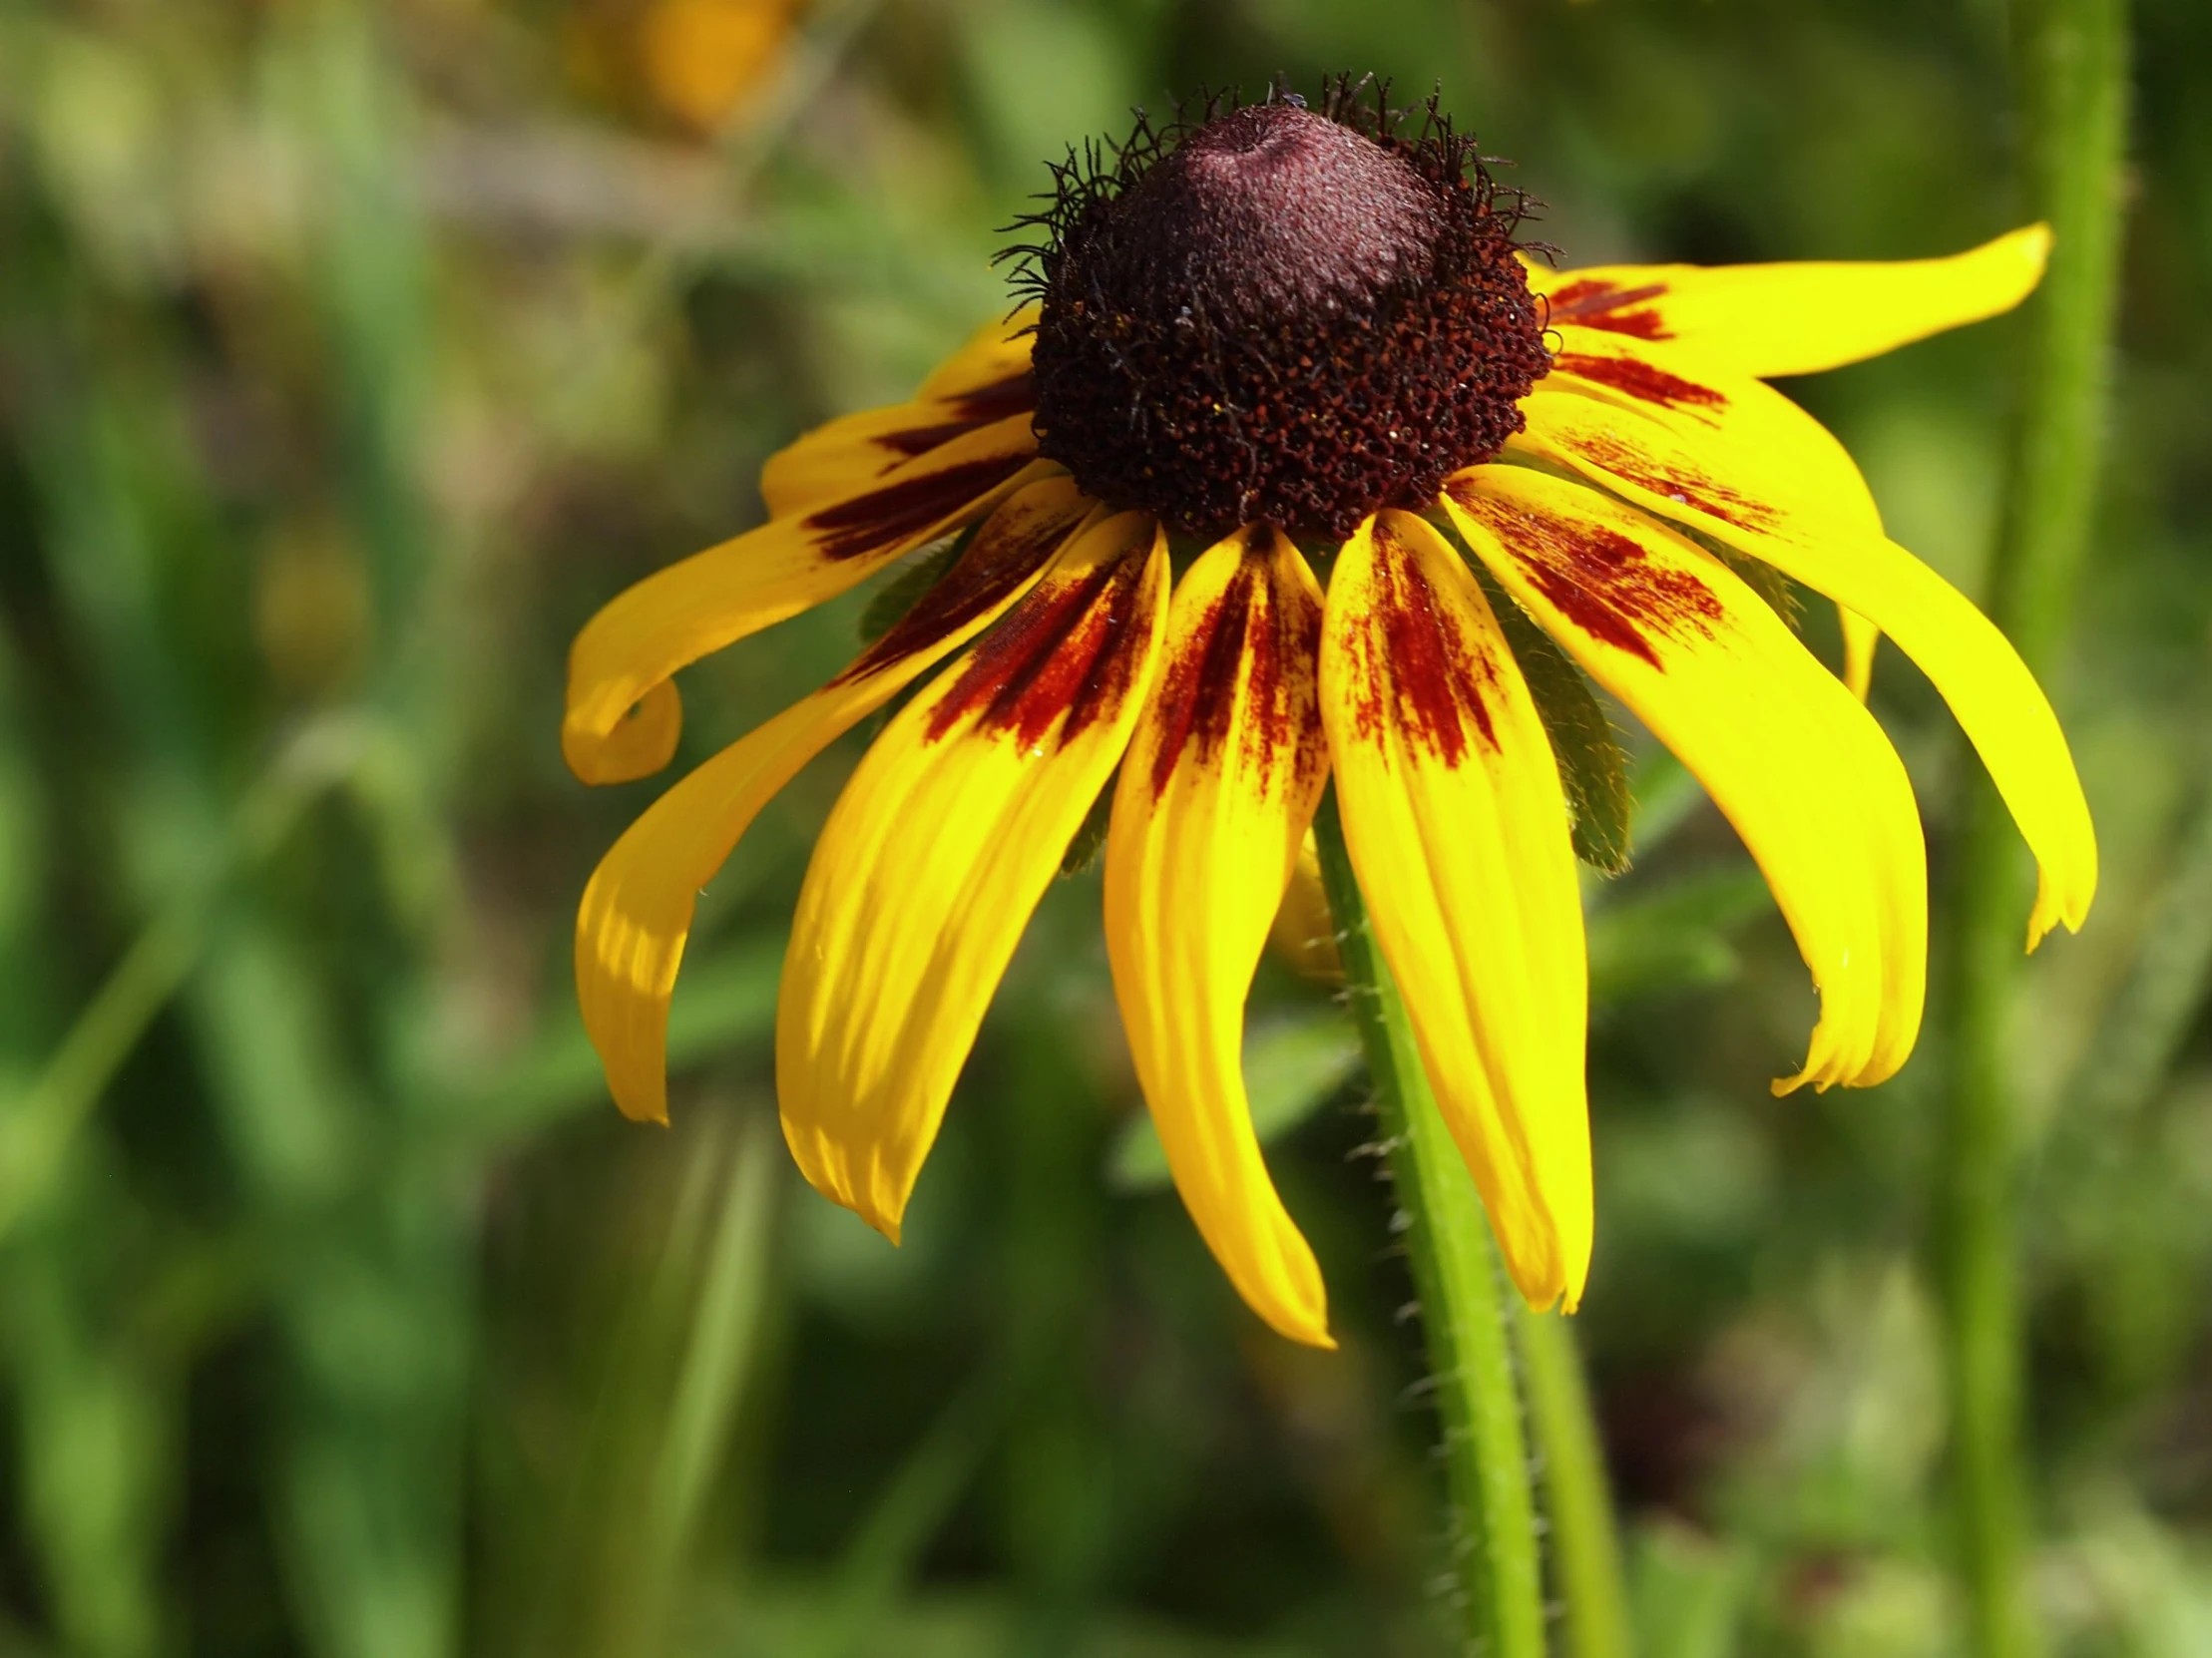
(1458, 831)
(712, 599)
(1786, 752)
(1219, 785)
(1799, 317)
(1676, 471)
(947, 835)
(637, 910)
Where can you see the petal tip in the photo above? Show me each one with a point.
(641, 741)
(641, 1103)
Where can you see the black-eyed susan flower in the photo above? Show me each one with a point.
(1277, 358)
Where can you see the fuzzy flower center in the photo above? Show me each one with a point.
(1281, 315)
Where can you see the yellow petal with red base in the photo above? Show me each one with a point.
(1458, 833)
(940, 847)
(626, 654)
(1676, 469)
(1800, 317)
(1785, 750)
(850, 454)
(1740, 412)
(637, 910)
(986, 380)
(1219, 787)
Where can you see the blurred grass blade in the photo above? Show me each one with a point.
(905, 1518)
(36, 1131)
(723, 1344)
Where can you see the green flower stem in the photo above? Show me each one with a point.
(2073, 102)
(1578, 1502)
(1491, 1517)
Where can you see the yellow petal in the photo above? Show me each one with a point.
(1802, 317)
(1220, 782)
(1859, 639)
(940, 847)
(994, 352)
(1722, 412)
(1458, 831)
(636, 911)
(1304, 933)
(1744, 415)
(850, 454)
(712, 599)
(1786, 752)
(1681, 470)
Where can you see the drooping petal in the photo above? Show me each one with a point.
(1458, 831)
(1800, 317)
(1684, 472)
(626, 654)
(936, 852)
(1220, 782)
(1725, 412)
(1784, 749)
(1743, 414)
(637, 910)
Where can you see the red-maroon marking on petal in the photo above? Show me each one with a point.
(1596, 303)
(998, 399)
(968, 411)
(1270, 633)
(1196, 697)
(1601, 580)
(1418, 660)
(897, 511)
(1683, 486)
(1011, 548)
(1071, 648)
(920, 440)
(1639, 380)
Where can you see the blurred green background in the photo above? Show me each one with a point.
(351, 353)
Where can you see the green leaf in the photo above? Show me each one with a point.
(1290, 1072)
(1083, 850)
(1592, 765)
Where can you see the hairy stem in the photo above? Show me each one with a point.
(2073, 58)
(1489, 1518)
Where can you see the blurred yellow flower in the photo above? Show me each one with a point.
(689, 63)
(1271, 337)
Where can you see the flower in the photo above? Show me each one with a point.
(691, 63)
(1264, 336)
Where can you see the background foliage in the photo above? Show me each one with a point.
(351, 353)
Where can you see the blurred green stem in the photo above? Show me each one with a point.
(2074, 100)
(1586, 1552)
(1491, 1517)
